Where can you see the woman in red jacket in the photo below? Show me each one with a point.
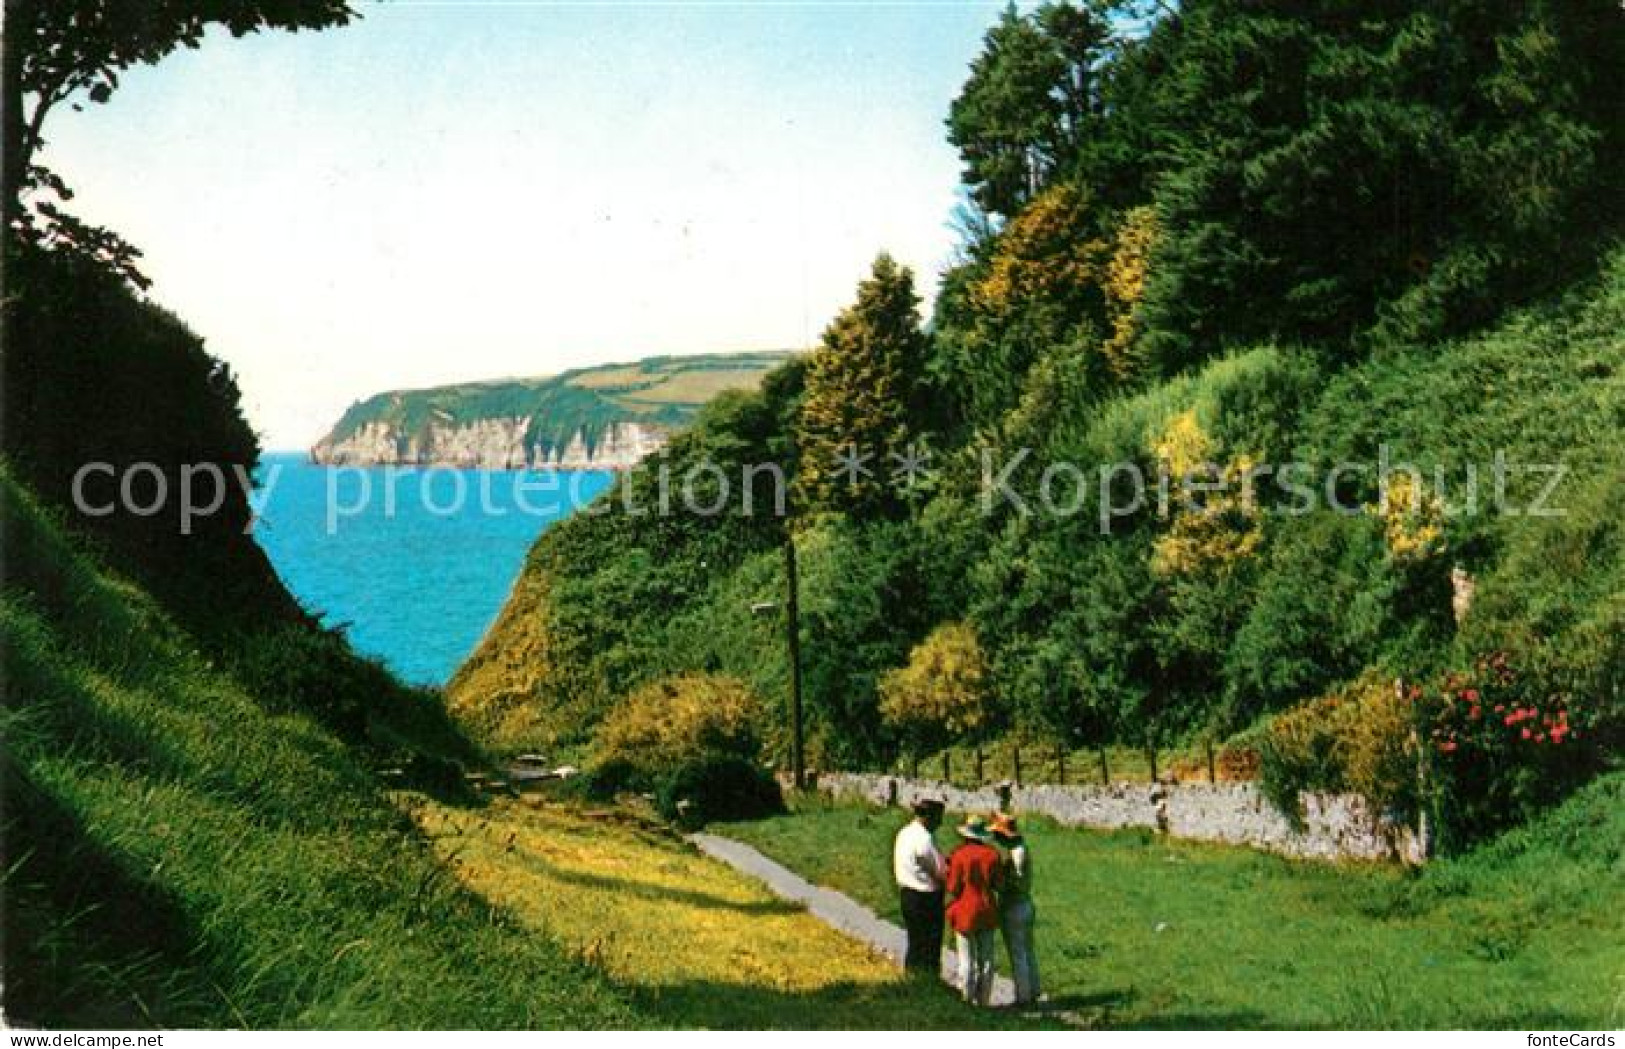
(975, 872)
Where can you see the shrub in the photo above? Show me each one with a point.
(718, 788)
(692, 740)
(1329, 603)
(1501, 745)
(1298, 753)
(1504, 745)
(1358, 739)
(604, 781)
(676, 720)
(1379, 747)
(942, 694)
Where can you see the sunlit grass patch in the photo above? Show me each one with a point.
(706, 944)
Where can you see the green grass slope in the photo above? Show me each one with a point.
(178, 855)
(662, 391)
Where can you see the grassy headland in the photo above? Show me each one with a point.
(663, 392)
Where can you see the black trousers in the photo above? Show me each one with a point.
(922, 917)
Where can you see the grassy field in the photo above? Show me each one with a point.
(698, 944)
(1135, 931)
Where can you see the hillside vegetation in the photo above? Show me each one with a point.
(658, 391)
(1324, 243)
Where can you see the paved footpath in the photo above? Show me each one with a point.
(833, 908)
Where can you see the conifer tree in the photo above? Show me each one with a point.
(855, 427)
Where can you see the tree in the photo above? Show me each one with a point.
(942, 695)
(1032, 99)
(862, 397)
(866, 600)
(1409, 167)
(55, 51)
(90, 372)
(1038, 294)
(1004, 121)
(1045, 680)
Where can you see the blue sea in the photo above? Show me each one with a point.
(414, 562)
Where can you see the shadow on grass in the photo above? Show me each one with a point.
(89, 943)
(1094, 1011)
(894, 1005)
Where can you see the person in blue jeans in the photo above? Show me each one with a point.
(1016, 911)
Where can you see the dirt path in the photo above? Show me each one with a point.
(835, 909)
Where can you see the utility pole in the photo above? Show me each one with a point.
(792, 636)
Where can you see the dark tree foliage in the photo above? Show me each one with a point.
(1032, 104)
(91, 372)
(1326, 173)
(95, 375)
(1413, 167)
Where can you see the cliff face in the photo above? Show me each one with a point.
(490, 444)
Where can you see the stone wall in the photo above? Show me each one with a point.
(1335, 826)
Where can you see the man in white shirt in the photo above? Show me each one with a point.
(919, 868)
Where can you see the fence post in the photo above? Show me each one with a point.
(1212, 771)
(1060, 764)
(1015, 761)
(1105, 766)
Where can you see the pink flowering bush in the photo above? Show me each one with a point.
(1500, 746)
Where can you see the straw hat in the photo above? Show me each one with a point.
(975, 829)
(1004, 826)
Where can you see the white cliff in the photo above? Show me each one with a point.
(490, 444)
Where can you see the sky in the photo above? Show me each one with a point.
(467, 189)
